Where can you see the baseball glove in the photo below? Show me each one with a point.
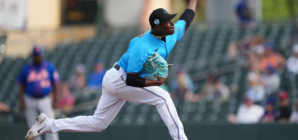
(156, 66)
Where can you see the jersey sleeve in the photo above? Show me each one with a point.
(137, 58)
(55, 78)
(179, 29)
(21, 79)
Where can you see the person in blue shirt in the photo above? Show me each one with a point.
(95, 78)
(36, 82)
(270, 113)
(182, 87)
(127, 81)
(245, 14)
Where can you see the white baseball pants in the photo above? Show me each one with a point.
(34, 107)
(114, 94)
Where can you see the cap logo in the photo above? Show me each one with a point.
(156, 21)
(165, 11)
(37, 49)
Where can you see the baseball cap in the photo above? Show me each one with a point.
(270, 100)
(283, 95)
(37, 50)
(269, 45)
(270, 68)
(160, 16)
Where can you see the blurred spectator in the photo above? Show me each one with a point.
(4, 107)
(270, 113)
(64, 98)
(254, 73)
(271, 58)
(271, 80)
(284, 109)
(248, 47)
(233, 50)
(207, 88)
(294, 115)
(95, 78)
(77, 81)
(255, 45)
(219, 92)
(256, 90)
(293, 38)
(182, 87)
(248, 112)
(245, 14)
(292, 62)
(214, 90)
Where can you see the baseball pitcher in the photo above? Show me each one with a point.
(135, 78)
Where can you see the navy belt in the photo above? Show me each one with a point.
(117, 67)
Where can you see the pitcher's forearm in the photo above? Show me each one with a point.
(192, 5)
(21, 93)
(158, 82)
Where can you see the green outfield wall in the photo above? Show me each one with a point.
(160, 132)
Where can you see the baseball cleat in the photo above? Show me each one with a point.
(38, 128)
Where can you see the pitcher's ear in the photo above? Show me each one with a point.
(158, 27)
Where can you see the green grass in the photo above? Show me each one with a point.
(278, 9)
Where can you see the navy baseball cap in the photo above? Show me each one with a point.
(98, 61)
(271, 100)
(160, 16)
(37, 50)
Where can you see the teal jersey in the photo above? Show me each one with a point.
(143, 46)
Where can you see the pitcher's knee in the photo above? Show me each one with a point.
(163, 99)
(100, 128)
(98, 124)
(167, 96)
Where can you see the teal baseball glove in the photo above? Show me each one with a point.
(156, 66)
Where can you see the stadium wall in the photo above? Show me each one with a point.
(20, 44)
(160, 132)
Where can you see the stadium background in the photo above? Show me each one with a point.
(82, 31)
